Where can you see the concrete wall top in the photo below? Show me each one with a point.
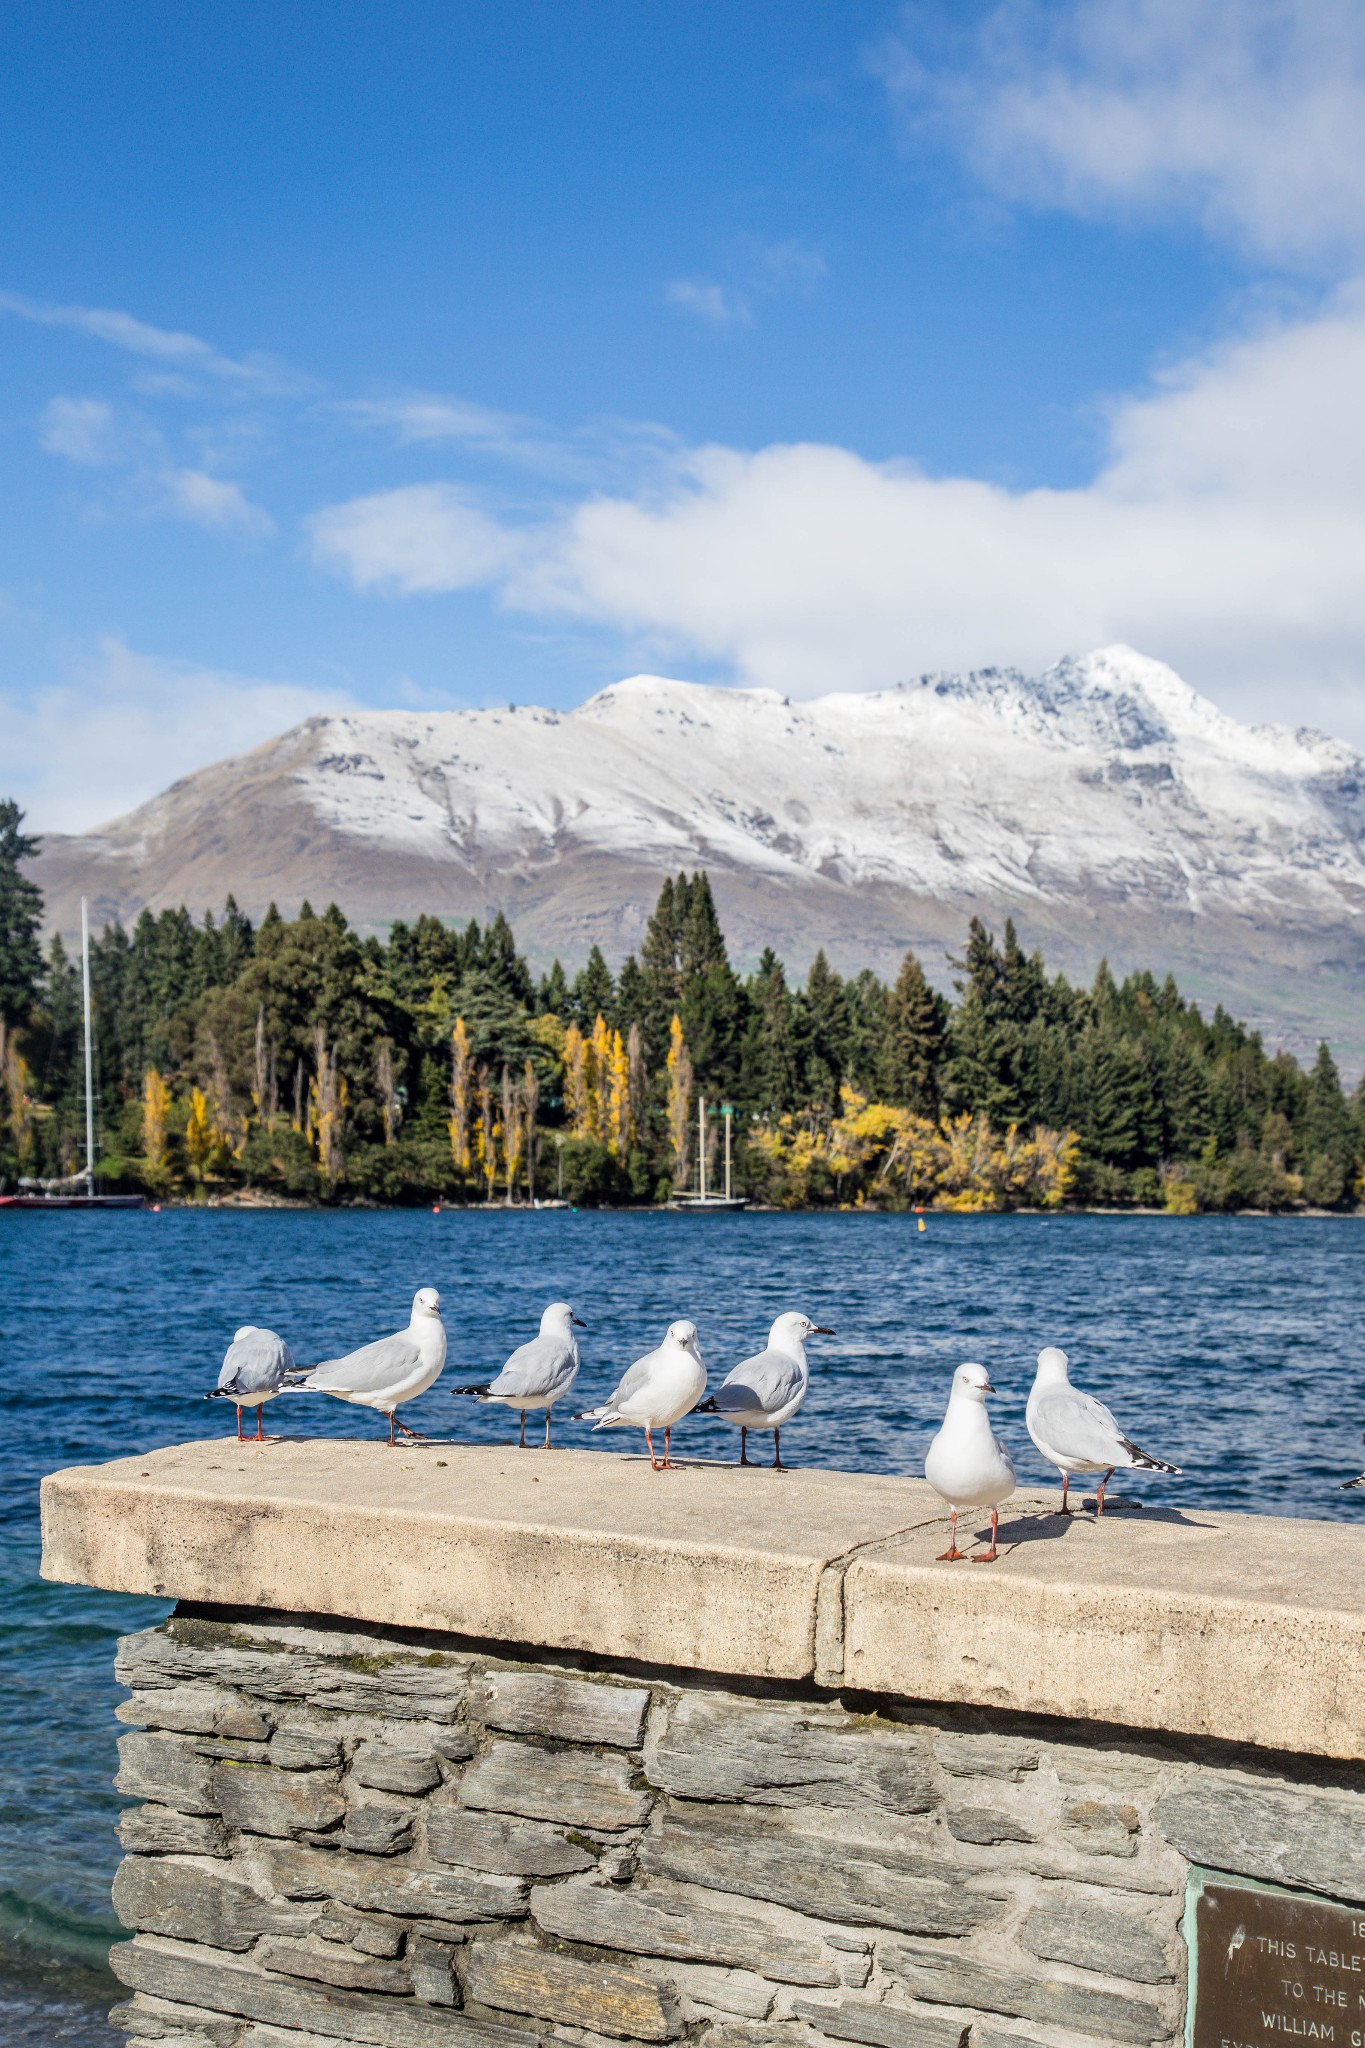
(1244, 1628)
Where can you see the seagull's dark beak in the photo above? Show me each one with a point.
(819, 1330)
(579, 1321)
(987, 1388)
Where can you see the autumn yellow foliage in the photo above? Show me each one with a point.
(872, 1151)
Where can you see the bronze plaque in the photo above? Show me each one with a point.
(1271, 1967)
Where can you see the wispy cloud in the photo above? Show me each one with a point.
(1247, 116)
(84, 430)
(212, 501)
(423, 416)
(758, 270)
(158, 344)
(720, 304)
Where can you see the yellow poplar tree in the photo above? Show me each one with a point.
(511, 1131)
(156, 1102)
(530, 1099)
(14, 1079)
(460, 1092)
(599, 1078)
(200, 1137)
(679, 1066)
(327, 1096)
(620, 1108)
(578, 1093)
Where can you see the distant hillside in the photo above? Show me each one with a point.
(1104, 804)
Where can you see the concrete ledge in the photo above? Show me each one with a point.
(1244, 1628)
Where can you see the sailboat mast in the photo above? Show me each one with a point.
(701, 1146)
(89, 1062)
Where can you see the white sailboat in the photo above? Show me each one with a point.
(76, 1190)
(700, 1198)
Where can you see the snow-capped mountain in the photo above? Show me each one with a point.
(1104, 804)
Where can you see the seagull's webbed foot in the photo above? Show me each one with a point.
(950, 1556)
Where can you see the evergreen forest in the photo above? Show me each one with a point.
(300, 1060)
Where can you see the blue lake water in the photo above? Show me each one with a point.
(1229, 1345)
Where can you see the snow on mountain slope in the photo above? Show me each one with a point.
(1104, 804)
(1106, 775)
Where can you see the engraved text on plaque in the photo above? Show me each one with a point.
(1273, 1967)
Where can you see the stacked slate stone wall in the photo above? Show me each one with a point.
(354, 1838)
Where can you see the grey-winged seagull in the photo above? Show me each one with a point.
(388, 1372)
(1076, 1433)
(253, 1372)
(765, 1391)
(658, 1391)
(967, 1464)
(539, 1373)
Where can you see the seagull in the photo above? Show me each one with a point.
(967, 1464)
(253, 1372)
(1349, 1483)
(389, 1371)
(1076, 1433)
(658, 1391)
(766, 1390)
(539, 1373)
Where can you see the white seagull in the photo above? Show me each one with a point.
(967, 1464)
(539, 1373)
(253, 1372)
(389, 1371)
(766, 1390)
(1076, 1433)
(658, 1391)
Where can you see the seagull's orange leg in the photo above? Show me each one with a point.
(1099, 1491)
(653, 1461)
(744, 1458)
(778, 1466)
(240, 1438)
(949, 1555)
(1066, 1481)
(991, 1555)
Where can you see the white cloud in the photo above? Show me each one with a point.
(718, 303)
(213, 502)
(125, 724)
(1224, 532)
(84, 430)
(418, 539)
(1246, 115)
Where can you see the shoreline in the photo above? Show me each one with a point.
(253, 1204)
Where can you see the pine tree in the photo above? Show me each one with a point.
(21, 915)
(770, 1065)
(552, 997)
(594, 992)
(981, 1074)
(822, 1023)
(916, 1042)
(1327, 1140)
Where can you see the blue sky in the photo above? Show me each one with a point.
(439, 355)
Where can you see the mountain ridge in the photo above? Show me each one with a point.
(1104, 804)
